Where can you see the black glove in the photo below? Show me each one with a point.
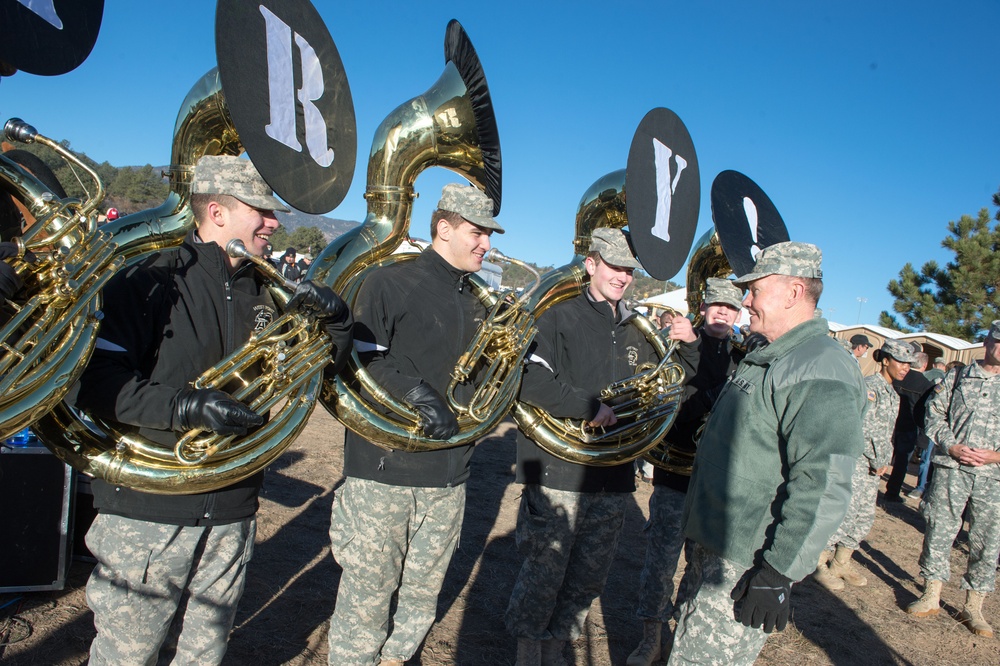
(436, 420)
(10, 283)
(211, 409)
(319, 301)
(766, 596)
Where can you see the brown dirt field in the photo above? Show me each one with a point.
(293, 581)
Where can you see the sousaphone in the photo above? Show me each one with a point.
(661, 212)
(452, 125)
(281, 366)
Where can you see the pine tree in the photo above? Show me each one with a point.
(961, 298)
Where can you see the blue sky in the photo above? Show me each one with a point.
(870, 125)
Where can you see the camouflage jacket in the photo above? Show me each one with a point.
(964, 408)
(883, 407)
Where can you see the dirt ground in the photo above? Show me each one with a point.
(293, 582)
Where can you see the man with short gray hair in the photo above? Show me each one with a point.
(171, 568)
(771, 480)
(962, 420)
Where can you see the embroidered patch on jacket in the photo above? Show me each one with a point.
(743, 385)
(871, 395)
(633, 355)
(263, 315)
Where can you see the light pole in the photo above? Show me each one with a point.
(861, 301)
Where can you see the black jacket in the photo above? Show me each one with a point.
(717, 361)
(413, 320)
(166, 320)
(581, 347)
(914, 390)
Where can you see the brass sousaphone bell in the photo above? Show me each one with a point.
(452, 125)
(745, 222)
(646, 403)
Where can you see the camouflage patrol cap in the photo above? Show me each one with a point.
(470, 203)
(614, 246)
(789, 258)
(901, 351)
(237, 177)
(995, 330)
(720, 290)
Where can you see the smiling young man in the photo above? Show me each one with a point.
(664, 536)
(397, 517)
(171, 568)
(834, 567)
(571, 514)
(771, 480)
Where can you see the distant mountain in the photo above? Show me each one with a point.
(331, 227)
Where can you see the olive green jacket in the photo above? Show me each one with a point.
(772, 478)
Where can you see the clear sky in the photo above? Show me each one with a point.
(869, 124)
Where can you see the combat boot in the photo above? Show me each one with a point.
(529, 652)
(929, 602)
(649, 647)
(823, 575)
(972, 615)
(552, 652)
(841, 567)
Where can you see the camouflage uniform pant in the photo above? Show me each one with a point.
(861, 512)
(389, 541)
(951, 491)
(708, 631)
(160, 589)
(568, 542)
(664, 541)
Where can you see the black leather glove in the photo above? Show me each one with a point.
(766, 596)
(436, 420)
(10, 283)
(211, 409)
(319, 301)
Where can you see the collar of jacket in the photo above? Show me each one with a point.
(437, 265)
(213, 257)
(789, 341)
(604, 308)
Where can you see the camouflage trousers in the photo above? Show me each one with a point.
(708, 631)
(165, 593)
(664, 542)
(568, 541)
(951, 492)
(389, 541)
(861, 511)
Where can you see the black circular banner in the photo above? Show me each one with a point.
(745, 220)
(50, 38)
(663, 193)
(288, 95)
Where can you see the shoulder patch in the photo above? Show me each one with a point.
(871, 395)
(939, 387)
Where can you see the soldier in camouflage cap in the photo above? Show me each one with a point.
(836, 568)
(767, 492)
(961, 420)
(397, 518)
(571, 514)
(171, 567)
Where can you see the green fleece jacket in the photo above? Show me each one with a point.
(772, 478)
